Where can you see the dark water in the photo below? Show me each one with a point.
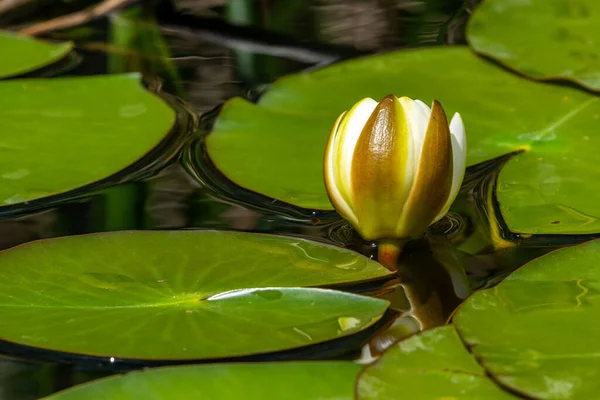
(176, 187)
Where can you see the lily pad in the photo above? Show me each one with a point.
(21, 54)
(62, 134)
(536, 332)
(431, 365)
(547, 39)
(552, 187)
(180, 295)
(327, 380)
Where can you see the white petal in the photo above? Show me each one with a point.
(459, 152)
(426, 109)
(330, 169)
(349, 131)
(419, 119)
(459, 158)
(417, 116)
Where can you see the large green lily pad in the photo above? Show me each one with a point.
(21, 54)
(327, 380)
(181, 295)
(60, 134)
(276, 147)
(431, 365)
(547, 39)
(537, 331)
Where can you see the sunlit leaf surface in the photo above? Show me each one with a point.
(21, 54)
(181, 295)
(327, 380)
(547, 39)
(60, 134)
(432, 365)
(537, 331)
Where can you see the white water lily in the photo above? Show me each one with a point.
(393, 168)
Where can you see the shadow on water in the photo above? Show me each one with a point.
(176, 186)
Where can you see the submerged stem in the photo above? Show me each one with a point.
(388, 252)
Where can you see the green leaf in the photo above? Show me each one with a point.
(547, 39)
(536, 332)
(291, 149)
(174, 295)
(430, 365)
(61, 134)
(327, 380)
(21, 54)
(552, 187)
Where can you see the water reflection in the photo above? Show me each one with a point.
(24, 380)
(426, 291)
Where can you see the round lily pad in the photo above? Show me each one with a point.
(62, 134)
(21, 54)
(536, 332)
(276, 147)
(181, 295)
(327, 380)
(547, 39)
(431, 365)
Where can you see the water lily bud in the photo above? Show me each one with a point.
(393, 168)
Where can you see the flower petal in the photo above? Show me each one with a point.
(349, 130)
(379, 170)
(433, 179)
(459, 159)
(424, 107)
(419, 136)
(330, 170)
(417, 116)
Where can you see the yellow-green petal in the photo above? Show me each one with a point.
(379, 170)
(349, 131)
(330, 173)
(433, 178)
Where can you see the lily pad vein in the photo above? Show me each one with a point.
(561, 121)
